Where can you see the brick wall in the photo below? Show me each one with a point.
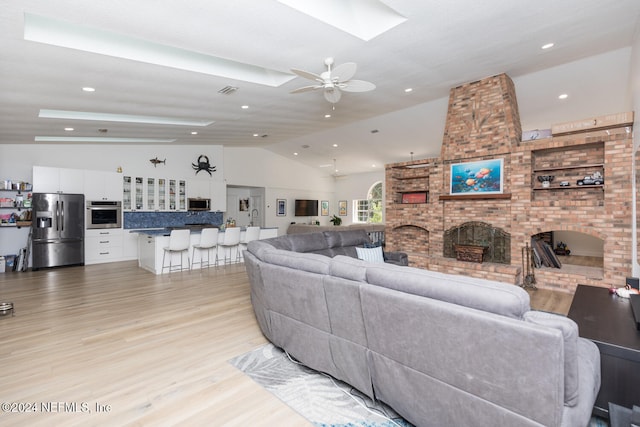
(483, 123)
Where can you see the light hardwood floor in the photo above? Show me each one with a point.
(153, 348)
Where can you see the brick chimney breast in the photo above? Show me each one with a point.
(482, 120)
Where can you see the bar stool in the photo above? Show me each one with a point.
(208, 241)
(231, 240)
(252, 233)
(179, 241)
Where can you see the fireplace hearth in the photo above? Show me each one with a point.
(475, 234)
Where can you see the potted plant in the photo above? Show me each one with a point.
(336, 220)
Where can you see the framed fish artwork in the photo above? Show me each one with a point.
(483, 176)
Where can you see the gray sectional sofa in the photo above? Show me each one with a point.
(442, 350)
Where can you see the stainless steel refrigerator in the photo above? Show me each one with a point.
(57, 230)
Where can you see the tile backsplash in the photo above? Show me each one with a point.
(136, 220)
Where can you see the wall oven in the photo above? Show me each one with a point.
(104, 214)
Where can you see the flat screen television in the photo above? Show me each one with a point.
(306, 207)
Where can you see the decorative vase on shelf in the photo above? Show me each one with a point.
(546, 180)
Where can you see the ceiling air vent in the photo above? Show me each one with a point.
(228, 90)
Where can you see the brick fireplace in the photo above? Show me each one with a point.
(483, 123)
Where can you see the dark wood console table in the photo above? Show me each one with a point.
(607, 320)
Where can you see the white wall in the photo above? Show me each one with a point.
(282, 178)
(608, 75)
(352, 187)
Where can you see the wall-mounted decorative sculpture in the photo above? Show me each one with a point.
(203, 165)
(157, 161)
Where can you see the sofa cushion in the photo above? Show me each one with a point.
(281, 242)
(313, 263)
(495, 297)
(373, 255)
(349, 268)
(346, 238)
(569, 330)
(259, 247)
(307, 242)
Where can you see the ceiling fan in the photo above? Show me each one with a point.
(334, 80)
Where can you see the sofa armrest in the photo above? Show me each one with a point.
(397, 258)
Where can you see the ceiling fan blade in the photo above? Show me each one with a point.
(307, 74)
(344, 72)
(306, 89)
(332, 95)
(358, 86)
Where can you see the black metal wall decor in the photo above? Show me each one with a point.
(203, 165)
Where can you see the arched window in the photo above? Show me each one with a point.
(369, 209)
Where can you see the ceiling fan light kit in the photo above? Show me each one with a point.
(334, 80)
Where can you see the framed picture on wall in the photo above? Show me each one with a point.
(484, 176)
(324, 208)
(342, 208)
(281, 207)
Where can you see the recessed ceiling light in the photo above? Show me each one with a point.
(194, 133)
(295, 154)
(373, 166)
(69, 129)
(335, 145)
(90, 39)
(256, 134)
(244, 107)
(409, 89)
(327, 116)
(362, 19)
(124, 118)
(547, 46)
(563, 96)
(88, 89)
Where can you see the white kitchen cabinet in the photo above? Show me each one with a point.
(129, 245)
(103, 246)
(199, 188)
(218, 195)
(58, 180)
(147, 252)
(102, 185)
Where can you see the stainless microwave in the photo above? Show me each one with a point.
(104, 214)
(198, 204)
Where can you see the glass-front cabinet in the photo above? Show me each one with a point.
(153, 194)
(182, 195)
(162, 194)
(126, 193)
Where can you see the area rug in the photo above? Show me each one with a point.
(324, 401)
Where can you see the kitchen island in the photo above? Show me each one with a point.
(151, 244)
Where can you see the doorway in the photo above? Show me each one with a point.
(245, 205)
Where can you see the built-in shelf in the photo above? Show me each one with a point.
(587, 166)
(569, 187)
(410, 177)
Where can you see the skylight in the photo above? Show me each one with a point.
(364, 19)
(65, 34)
(122, 118)
(100, 139)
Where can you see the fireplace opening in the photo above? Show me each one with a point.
(478, 239)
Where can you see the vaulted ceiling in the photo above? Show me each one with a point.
(200, 47)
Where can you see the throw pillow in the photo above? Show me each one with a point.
(375, 245)
(370, 254)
